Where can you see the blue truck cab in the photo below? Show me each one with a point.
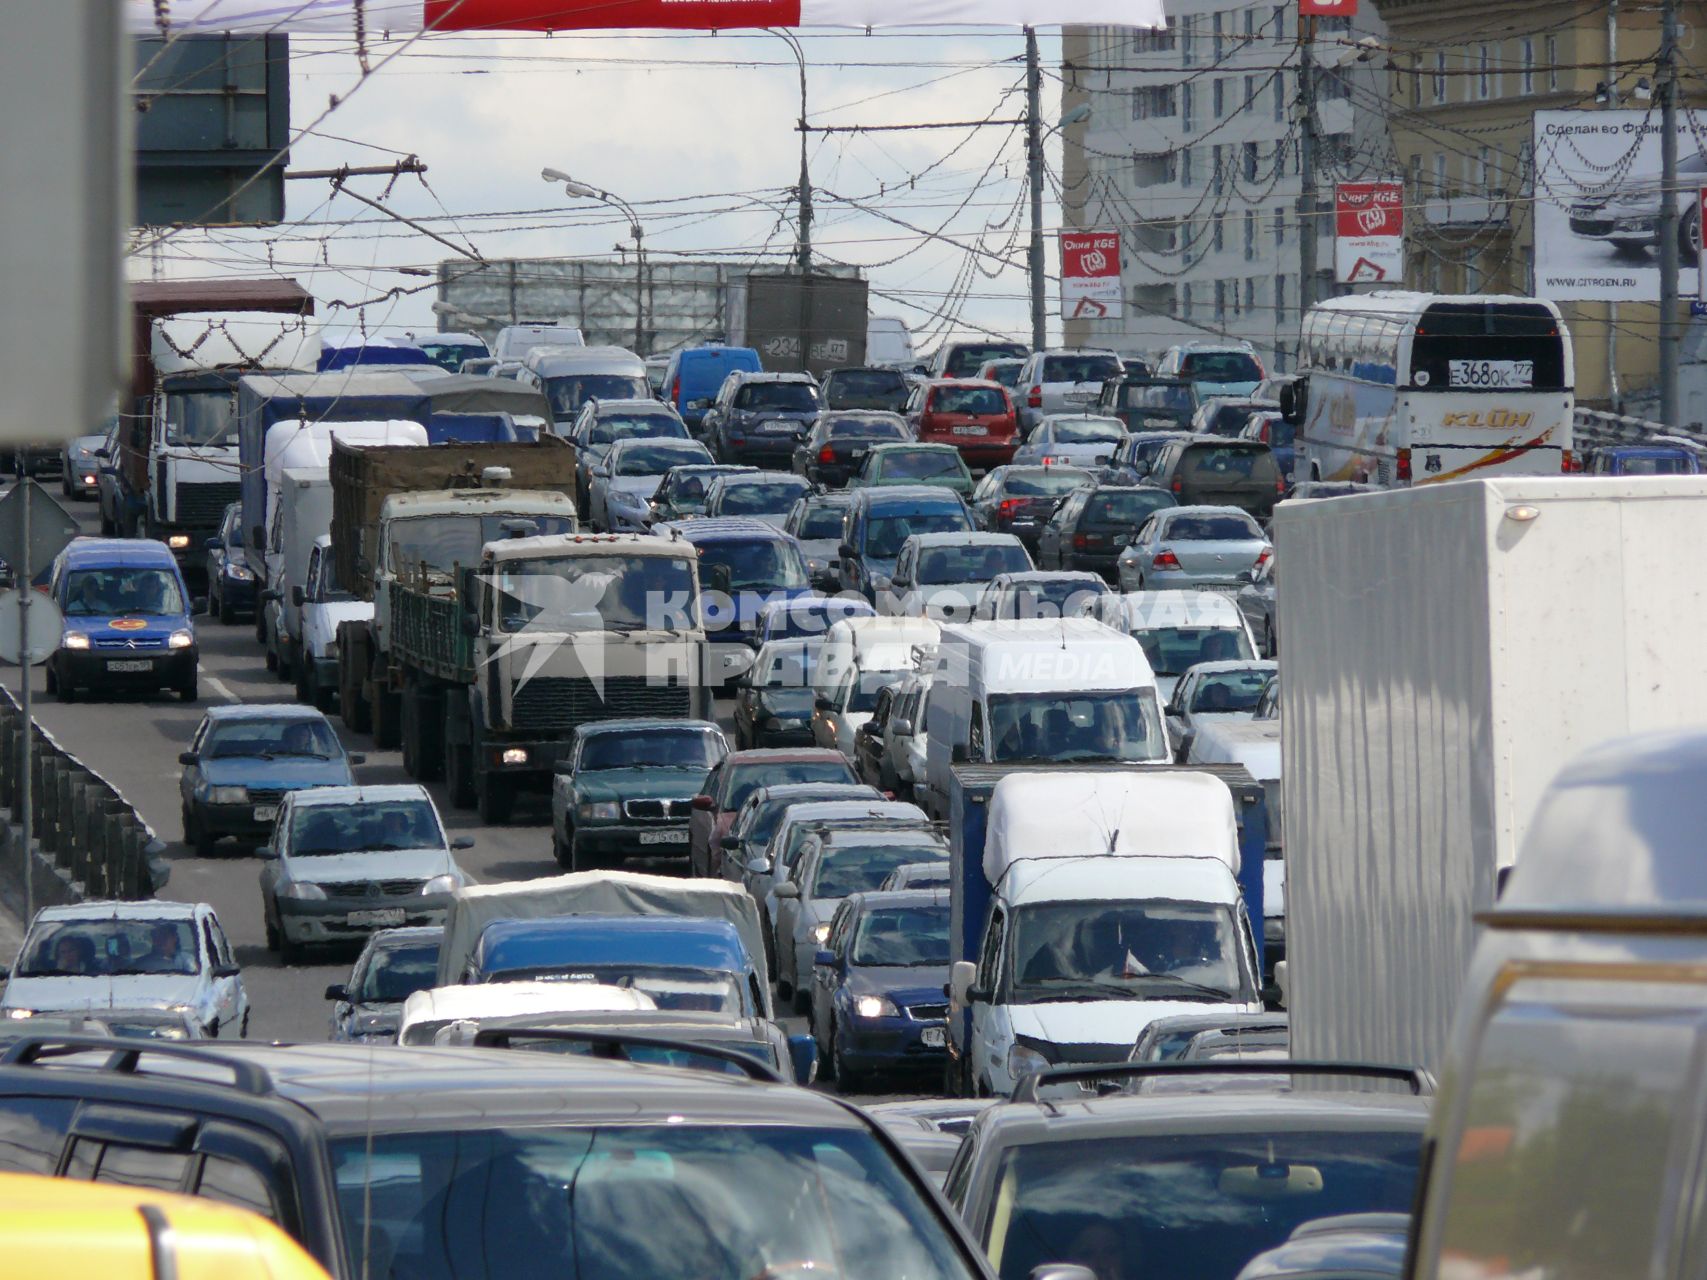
(744, 565)
(1645, 460)
(694, 377)
(682, 963)
(127, 620)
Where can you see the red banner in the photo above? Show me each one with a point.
(1327, 8)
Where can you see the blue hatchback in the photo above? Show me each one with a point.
(241, 762)
(127, 620)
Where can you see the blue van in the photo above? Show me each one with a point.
(745, 564)
(694, 376)
(880, 519)
(127, 620)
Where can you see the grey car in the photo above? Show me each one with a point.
(1073, 440)
(1194, 547)
(80, 469)
(762, 495)
(1256, 600)
(620, 485)
(815, 522)
(394, 965)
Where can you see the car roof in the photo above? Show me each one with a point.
(645, 724)
(406, 935)
(965, 382)
(1206, 509)
(1022, 577)
(117, 553)
(263, 711)
(717, 937)
(728, 529)
(965, 538)
(897, 495)
(149, 909)
(765, 477)
(782, 755)
(899, 897)
(1190, 608)
(912, 446)
(834, 498)
(317, 796)
(1248, 664)
(761, 375)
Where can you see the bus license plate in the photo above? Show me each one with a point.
(130, 664)
(663, 837)
(1491, 375)
(934, 1037)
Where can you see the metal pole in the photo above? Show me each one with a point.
(1668, 214)
(26, 819)
(639, 291)
(1307, 229)
(1613, 395)
(1034, 178)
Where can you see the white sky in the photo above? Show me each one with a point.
(696, 131)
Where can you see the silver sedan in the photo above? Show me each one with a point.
(1194, 547)
(1072, 439)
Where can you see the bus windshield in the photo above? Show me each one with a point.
(1488, 346)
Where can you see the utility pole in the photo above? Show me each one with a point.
(1307, 228)
(1034, 177)
(1667, 89)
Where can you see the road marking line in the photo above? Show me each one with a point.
(219, 688)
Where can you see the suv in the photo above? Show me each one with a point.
(1217, 368)
(1092, 526)
(878, 524)
(758, 418)
(385, 1161)
(1064, 381)
(975, 417)
(1207, 471)
(1146, 403)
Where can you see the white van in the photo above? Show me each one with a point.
(1178, 629)
(569, 377)
(860, 657)
(1114, 902)
(1044, 689)
(1567, 1137)
(514, 341)
(302, 513)
(325, 606)
(888, 341)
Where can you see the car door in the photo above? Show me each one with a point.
(868, 741)
(221, 1009)
(190, 773)
(1178, 712)
(989, 1049)
(789, 910)
(827, 977)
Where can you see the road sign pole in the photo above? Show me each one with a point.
(26, 802)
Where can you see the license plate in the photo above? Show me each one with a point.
(130, 664)
(858, 451)
(778, 428)
(266, 812)
(378, 919)
(663, 837)
(1080, 397)
(934, 1037)
(971, 431)
(1491, 375)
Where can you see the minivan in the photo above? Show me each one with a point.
(127, 620)
(693, 377)
(1207, 471)
(569, 378)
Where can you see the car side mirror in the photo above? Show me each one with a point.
(845, 551)
(266, 853)
(823, 704)
(803, 1056)
(462, 842)
(297, 596)
(825, 958)
(958, 754)
(213, 544)
(704, 803)
(759, 867)
(470, 624)
(187, 757)
(788, 889)
(227, 971)
(961, 975)
(358, 757)
(338, 991)
(901, 728)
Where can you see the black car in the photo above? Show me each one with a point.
(1207, 471)
(1135, 457)
(833, 450)
(230, 581)
(394, 965)
(1090, 529)
(466, 1163)
(773, 700)
(1020, 499)
(866, 389)
(758, 418)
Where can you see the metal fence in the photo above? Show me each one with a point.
(86, 830)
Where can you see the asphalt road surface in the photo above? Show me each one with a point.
(134, 743)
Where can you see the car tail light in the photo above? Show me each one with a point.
(826, 454)
(1262, 432)
(1179, 486)
(1084, 541)
(1572, 463)
(1280, 485)
(1403, 469)
(676, 390)
(1165, 560)
(1035, 398)
(1009, 505)
(1263, 558)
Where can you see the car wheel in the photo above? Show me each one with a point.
(846, 1081)
(272, 931)
(802, 1002)
(1689, 236)
(243, 1027)
(190, 692)
(303, 694)
(562, 851)
(197, 836)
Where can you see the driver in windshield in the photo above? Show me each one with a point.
(1220, 647)
(73, 954)
(89, 599)
(993, 563)
(299, 741)
(397, 831)
(165, 952)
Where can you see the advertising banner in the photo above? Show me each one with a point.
(1369, 232)
(1597, 206)
(1090, 275)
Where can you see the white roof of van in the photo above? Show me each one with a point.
(196, 340)
(869, 632)
(1252, 743)
(1126, 813)
(1037, 655)
(965, 538)
(302, 442)
(1179, 609)
(506, 999)
(1120, 879)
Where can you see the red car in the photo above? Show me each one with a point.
(737, 776)
(978, 418)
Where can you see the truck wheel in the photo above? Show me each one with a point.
(497, 797)
(322, 697)
(304, 694)
(423, 725)
(408, 731)
(227, 614)
(351, 705)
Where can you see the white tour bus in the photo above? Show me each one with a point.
(1403, 388)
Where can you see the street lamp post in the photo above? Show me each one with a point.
(581, 191)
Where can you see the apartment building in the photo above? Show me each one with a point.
(1192, 151)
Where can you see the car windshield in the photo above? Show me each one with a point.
(1230, 690)
(1076, 726)
(201, 417)
(105, 593)
(444, 541)
(595, 593)
(1230, 419)
(760, 497)
(1674, 465)
(368, 827)
(859, 694)
(269, 738)
(783, 397)
(1217, 528)
(1230, 462)
(724, 1201)
(865, 384)
(656, 459)
(648, 749)
(609, 428)
(762, 564)
(326, 587)
(862, 866)
(974, 563)
(885, 534)
(1052, 597)
(1173, 651)
(687, 493)
(1084, 368)
(1221, 366)
(1161, 950)
(971, 357)
(895, 936)
(567, 394)
(821, 521)
(787, 666)
(104, 948)
(1005, 372)
(867, 429)
(983, 401)
(1087, 430)
(670, 987)
(396, 973)
(1127, 507)
(748, 777)
(1044, 482)
(1186, 1206)
(920, 464)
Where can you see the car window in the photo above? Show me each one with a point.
(127, 1166)
(972, 400)
(1221, 366)
(1216, 528)
(1044, 482)
(1212, 463)
(1081, 368)
(783, 397)
(1129, 507)
(32, 1133)
(372, 826)
(238, 1183)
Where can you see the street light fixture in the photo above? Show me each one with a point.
(581, 191)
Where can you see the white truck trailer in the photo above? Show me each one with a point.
(1448, 650)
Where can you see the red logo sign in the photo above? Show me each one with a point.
(1369, 209)
(1090, 255)
(127, 624)
(1327, 8)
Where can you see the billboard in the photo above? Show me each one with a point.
(1327, 8)
(1597, 206)
(1369, 232)
(1090, 275)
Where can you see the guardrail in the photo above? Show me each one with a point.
(1596, 428)
(91, 837)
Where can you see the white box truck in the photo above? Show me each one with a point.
(1448, 649)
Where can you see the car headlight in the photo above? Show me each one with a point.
(20, 1013)
(228, 795)
(1025, 1061)
(240, 572)
(178, 541)
(875, 1007)
(302, 891)
(627, 498)
(181, 639)
(600, 809)
(441, 884)
(75, 640)
(820, 932)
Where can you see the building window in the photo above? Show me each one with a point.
(1528, 64)
(1250, 293)
(1484, 68)
(1552, 47)
(1250, 235)
(1155, 40)
(1250, 24)
(1187, 106)
(1440, 76)
(1219, 240)
(1216, 180)
(1153, 102)
(1220, 94)
(1220, 46)
(1279, 228)
(1185, 167)
(1280, 22)
(1280, 301)
(1187, 39)
(1185, 300)
(1220, 300)
(1416, 81)
(1279, 99)
(1250, 85)
(1250, 154)
(1440, 173)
